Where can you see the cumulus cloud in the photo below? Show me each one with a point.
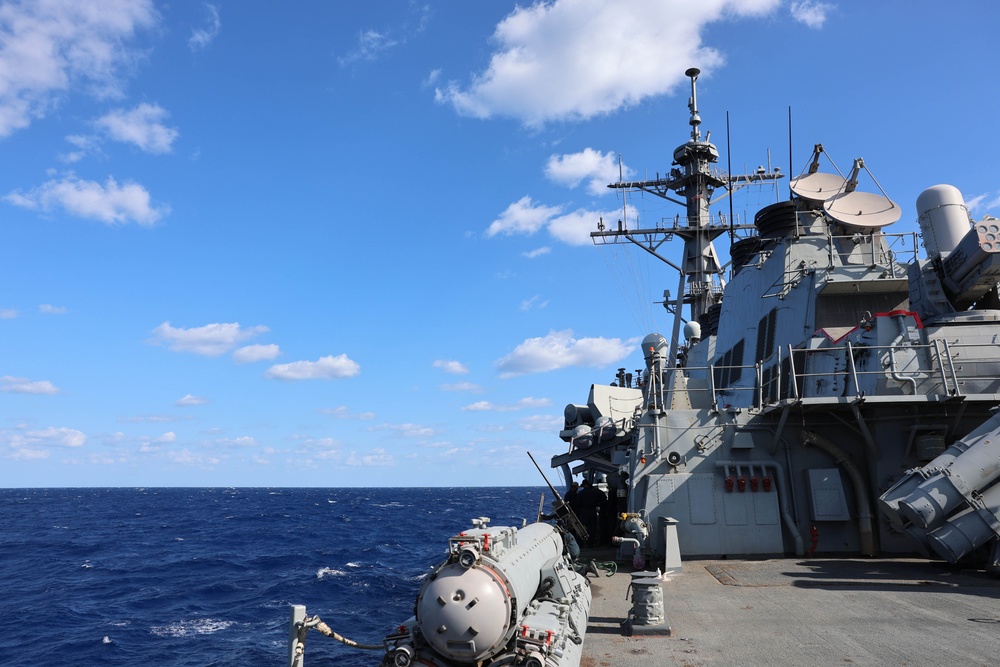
(50, 48)
(526, 217)
(49, 309)
(811, 12)
(211, 340)
(14, 385)
(251, 353)
(110, 203)
(26, 444)
(324, 368)
(596, 168)
(453, 367)
(8, 313)
(189, 400)
(142, 126)
(559, 349)
(575, 59)
(522, 217)
(202, 37)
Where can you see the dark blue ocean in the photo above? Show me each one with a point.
(204, 577)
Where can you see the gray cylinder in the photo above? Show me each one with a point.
(647, 600)
(943, 218)
(940, 495)
(468, 614)
(968, 529)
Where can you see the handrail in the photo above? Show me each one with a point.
(938, 365)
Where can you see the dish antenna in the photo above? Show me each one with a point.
(861, 210)
(816, 186)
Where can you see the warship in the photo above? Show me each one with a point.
(837, 394)
(821, 448)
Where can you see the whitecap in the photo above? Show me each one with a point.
(328, 572)
(107, 640)
(355, 565)
(199, 626)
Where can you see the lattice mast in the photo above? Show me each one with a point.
(695, 181)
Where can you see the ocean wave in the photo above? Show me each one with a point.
(199, 626)
(328, 572)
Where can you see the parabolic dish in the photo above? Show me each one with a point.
(863, 210)
(817, 187)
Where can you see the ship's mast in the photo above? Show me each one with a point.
(694, 179)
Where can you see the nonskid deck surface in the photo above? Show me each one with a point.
(792, 612)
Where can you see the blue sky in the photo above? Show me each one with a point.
(346, 244)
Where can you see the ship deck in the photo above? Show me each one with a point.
(792, 612)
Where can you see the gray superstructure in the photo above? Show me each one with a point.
(836, 394)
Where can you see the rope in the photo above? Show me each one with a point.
(324, 629)
(608, 566)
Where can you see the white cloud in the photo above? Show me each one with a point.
(50, 48)
(462, 386)
(110, 203)
(538, 252)
(376, 457)
(372, 44)
(13, 385)
(811, 12)
(142, 126)
(524, 403)
(407, 430)
(85, 144)
(202, 37)
(211, 340)
(46, 438)
(153, 419)
(251, 353)
(453, 367)
(188, 458)
(242, 441)
(8, 313)
(541, 423)
(325, 368)
(575, 59)
(526, 217)
(189, 400)
(988, 201)
(534, 302)
(522, 217)
(596, 168)
(559, 349)
(343, 412)
(49, 309)
(480, 406)
(575, 228)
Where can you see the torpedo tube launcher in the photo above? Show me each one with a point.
(503, 596)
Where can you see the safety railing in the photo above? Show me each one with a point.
(938, 368)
